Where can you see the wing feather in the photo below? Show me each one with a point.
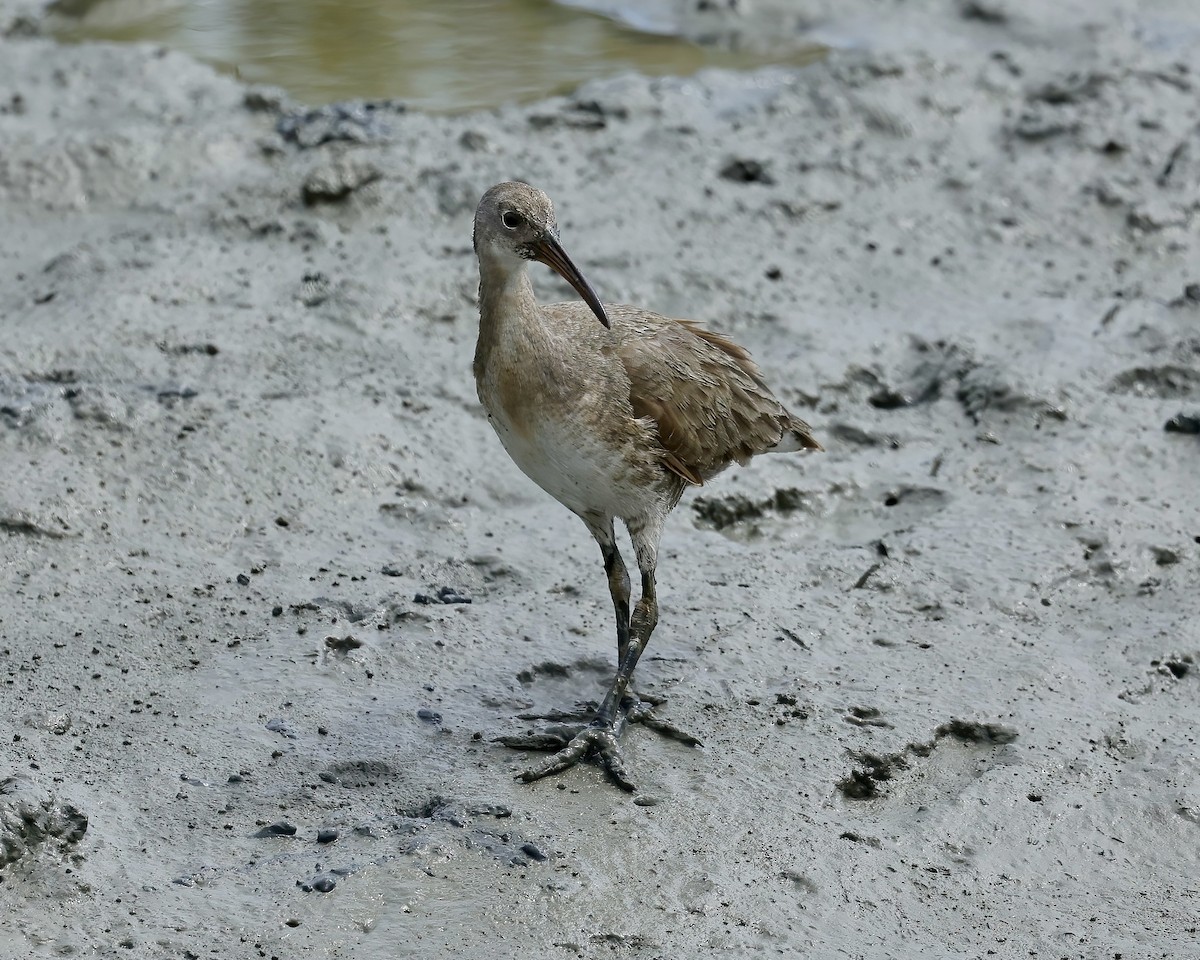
(705, 394)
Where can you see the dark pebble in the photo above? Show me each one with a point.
(236, 778)
(741, 170)
(391, 571)
(279, 829)
(326, 835)
(321, 884)
(498, 810)
(451, 595)
(533, 852)
(243, 580)
(423, 598)
(1182, 423)
(278, 726)
(429, 716)
(276, 611)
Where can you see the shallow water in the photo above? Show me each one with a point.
(433, 55)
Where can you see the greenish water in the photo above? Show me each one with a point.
(437, 55)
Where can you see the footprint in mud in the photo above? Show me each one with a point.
(1164, 677)
(32, 820)
(865, 782)
(852, 515)
(548, 669)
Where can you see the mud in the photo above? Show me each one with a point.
(239, 440)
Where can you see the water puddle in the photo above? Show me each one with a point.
(435, 56)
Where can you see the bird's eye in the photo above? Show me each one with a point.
(511, 219)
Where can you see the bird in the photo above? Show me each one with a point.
(615, 411)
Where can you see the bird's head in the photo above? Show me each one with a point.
(515, 223)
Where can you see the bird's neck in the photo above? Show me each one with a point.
(508, 308)
(504, 290)
(509, 316)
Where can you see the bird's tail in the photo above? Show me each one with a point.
(797, 435)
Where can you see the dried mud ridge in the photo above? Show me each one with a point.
(864, 782)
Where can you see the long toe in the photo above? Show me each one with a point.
(599, 740)
(643, 712)
(552, 736)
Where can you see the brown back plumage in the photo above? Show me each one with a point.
(705, 394)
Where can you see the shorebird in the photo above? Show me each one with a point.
(614, 411)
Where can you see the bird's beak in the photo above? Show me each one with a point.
(549, 251)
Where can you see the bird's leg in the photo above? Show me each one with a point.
(639, 709)
(618, 577)
(602, 734)
(601, 528)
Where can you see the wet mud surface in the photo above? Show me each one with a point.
(273, 594)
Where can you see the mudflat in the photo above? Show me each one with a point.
(272, 590)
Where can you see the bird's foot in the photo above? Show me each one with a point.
(641, 710)
(573, 740)
(600, 739)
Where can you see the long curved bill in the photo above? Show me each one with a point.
(549, 251)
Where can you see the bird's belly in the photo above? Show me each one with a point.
(574, 466)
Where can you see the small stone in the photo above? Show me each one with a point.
(281, 828)
(334, 182)
(498, 810)
(277, 611)
(1183, 423)
(429, 716)
(474, 140)
(534, 852)
(452, 595)
(326, 835)
(1164, 556)
(315, 289)
(646, 800)
(985, 11)
(741, 170)
(243, 580)
(278, 726)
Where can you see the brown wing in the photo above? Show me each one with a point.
(706, 395)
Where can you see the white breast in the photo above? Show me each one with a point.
(571, 464)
